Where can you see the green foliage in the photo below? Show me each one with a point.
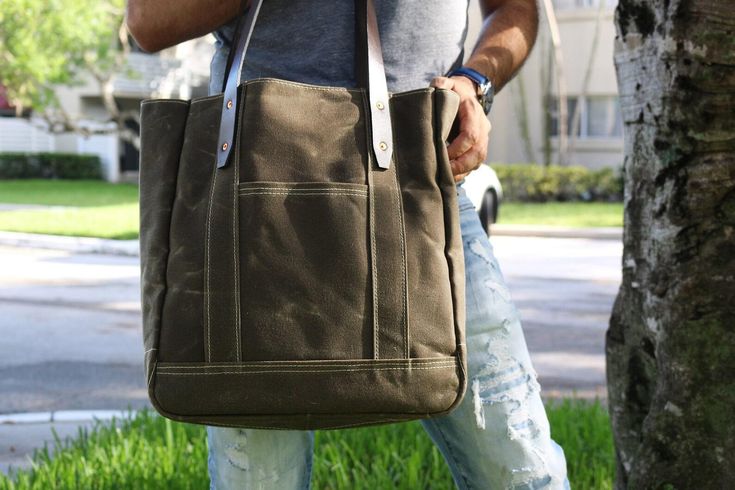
(50, 42)
(538, 183)
(49, 166)
(568, 214)
(147, 451)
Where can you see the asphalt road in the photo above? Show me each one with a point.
(70, 335)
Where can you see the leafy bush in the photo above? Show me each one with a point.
(49, 166)
(538, 183)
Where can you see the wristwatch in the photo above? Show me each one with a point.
(485, 88)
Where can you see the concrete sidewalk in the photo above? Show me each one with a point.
(70, 243)
(131, 247)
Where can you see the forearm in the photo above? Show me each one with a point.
(159, 24)
(506, 39)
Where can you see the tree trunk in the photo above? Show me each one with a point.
(671, 342)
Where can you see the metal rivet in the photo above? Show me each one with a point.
(383, 146)
(225, 146)
(379, 105)
(229, 104)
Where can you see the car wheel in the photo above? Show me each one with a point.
(489, 210)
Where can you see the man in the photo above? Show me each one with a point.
(499, 435)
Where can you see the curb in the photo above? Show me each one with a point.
(129, 248)
(601, 233)
(22, 418)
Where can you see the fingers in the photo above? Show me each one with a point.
(459, 177)
(469, 149)
(442, 82)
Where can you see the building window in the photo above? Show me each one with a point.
(599, 116)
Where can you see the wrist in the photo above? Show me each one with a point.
(484, 90)
(464, 87)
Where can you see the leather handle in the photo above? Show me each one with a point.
(380, 121)
(243, 33)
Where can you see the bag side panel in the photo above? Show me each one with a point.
(446, 104)
(431, 313)
(162, 133)
(182, 329)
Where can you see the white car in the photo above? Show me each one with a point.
(484, 190)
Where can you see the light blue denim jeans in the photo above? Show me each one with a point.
(497, 438)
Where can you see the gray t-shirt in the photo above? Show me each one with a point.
(313, 41)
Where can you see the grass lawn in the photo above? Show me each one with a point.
(100, 209)
(86, 208)
(572, 214)
(149, 452)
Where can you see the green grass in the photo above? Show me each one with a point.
(571, 214)
(78, 193)
(100, 209)
(149, 452)
(88, 208)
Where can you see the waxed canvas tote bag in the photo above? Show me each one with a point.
(300, 247)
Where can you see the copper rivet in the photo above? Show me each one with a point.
(383, 146)
(224, 146)
(380, 105)
(229, 104)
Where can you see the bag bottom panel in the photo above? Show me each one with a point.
(307, 394)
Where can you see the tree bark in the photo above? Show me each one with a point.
(671, 341)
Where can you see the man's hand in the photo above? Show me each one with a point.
(503, 46)
(468, 150)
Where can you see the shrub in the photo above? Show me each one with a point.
(538, 183)
(49, 166)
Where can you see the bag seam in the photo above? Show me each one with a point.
(297, 364)
(266, 193)
(299, 371)
(373, 243)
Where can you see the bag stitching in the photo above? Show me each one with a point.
(403, 255)
(265, 184)
(297, 366)
(209, 270)
(319, 89)
(266, 193)
(299, 371)
(158, 101)
(373, 244)
(235, 247)
(306, 189)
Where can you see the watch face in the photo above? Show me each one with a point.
(486, 97)
(486, 103)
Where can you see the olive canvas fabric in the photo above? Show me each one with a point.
(301, 286)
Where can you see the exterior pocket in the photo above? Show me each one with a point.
(304, 271)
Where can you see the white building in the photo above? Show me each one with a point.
(180, 72)
(599, 140)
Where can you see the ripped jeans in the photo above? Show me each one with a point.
(497, 438)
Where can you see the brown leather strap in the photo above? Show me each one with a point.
(243, 33)
(380, 121)
(382, 129)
